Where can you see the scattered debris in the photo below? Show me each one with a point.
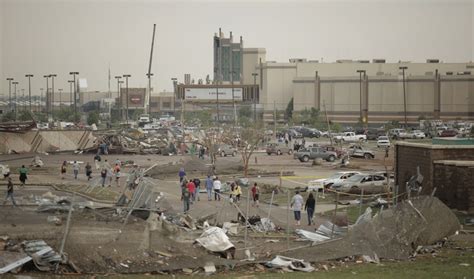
(214, 239)
(294, 264)
(209, 268)
(311, 236)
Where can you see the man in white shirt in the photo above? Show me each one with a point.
(217, 185)
(296, 205)
(75, 168)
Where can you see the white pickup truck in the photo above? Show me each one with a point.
(351, 137)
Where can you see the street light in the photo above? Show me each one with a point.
(175, 89)
(403, 68)
(360, 94)
(29, 76)
(119, 96)
(47, 95)
(121, 101)
(71, 82)
(254, 96)
(60, 93)
(52, 94)
(15, 97)
(10, 92)
(75, 94)
(147, 106)
(126, 94)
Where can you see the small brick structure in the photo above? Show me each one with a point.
(449, 168)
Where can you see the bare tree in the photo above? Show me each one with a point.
(250, 137)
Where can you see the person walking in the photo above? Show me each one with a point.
(237, 192)
(181, 174)
(185, 195)
(296, 205)
(217, 185)
(255, 194)
(10, 192)
(192, 190)
(209, 187)
(23, 175)
(197, 182)
(103, 176)
(309, 206)
(63, 170)
(88, 169)
(75, 169)
(232, 187)
(97, 160)
(117, 173)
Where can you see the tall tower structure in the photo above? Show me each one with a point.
(227, 58)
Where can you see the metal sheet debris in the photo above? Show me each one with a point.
(294, 264)
(214, 239)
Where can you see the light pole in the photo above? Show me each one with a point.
(233, 99)
(217, 98)
(23, 99)
(29, 76)
(254, 96)
(175, 88)
(75, 94)
(71, 82)
(403, 68)
(119, 95)
(40, 107)
(15, 97)
(126, 94)
(47, 95)
(60, 103)
(52, 94)
(121, 101)
(360, 94)
(10, 93)
(147, 106)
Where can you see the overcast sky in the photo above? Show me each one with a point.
(59, 36)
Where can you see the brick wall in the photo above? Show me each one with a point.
(409, 156)
(454, 185)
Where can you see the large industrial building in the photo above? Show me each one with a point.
(372, 91)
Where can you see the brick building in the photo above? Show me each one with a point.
(449, 168)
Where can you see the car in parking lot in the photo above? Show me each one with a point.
(383, 141)
(366, 182)
(448, 133)
(418, 134)
(226, 150)
(334, 180)
(278, 148)
(361, 152)
(311, 153)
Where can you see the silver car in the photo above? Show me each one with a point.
(367, 182)
(226, 150)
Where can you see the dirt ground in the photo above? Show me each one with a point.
(98, 244)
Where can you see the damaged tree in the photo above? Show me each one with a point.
(251, 137)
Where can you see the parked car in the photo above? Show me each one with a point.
(351, 137)
(374, 134)
(305, 154)
(335, 179)
(368, 182)
(448, 133)
(395, 133)
(278, 148)
(226, 150)
(361, 152)
(418, 134)
(308, 132)
(383, 141)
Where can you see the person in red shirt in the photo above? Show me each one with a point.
(255, 194)
(192, 190)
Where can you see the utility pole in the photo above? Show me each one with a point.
(126, 94)
(119, 95)
(10, 93)
(29, 76)
(274, 119)
(15, 97)
(147, 103)
(403, 68)
(254, 96)
(75, 94)
(71, 82)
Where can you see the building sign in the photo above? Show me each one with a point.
(209, 94)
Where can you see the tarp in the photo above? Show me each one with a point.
(214, 239)
(315, 237)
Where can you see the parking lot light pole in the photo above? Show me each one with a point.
(360, 93)
(119, 96)
(126, 94)
(10, 93)
(52, 94)
(29, 76)
(15, 97)
(75, 94)
(255, 96)
(175, 90)
(403, 68)
(71, 83)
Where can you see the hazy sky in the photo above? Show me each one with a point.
(59, 36)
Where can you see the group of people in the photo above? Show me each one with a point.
(23, 176)
(107, 173)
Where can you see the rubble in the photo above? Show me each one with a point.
(294, 264)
